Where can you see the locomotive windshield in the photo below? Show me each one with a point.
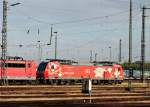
(42, 66)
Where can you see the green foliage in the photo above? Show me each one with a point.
(136, 65)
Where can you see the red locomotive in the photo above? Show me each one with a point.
(18, 69)
(58, 71)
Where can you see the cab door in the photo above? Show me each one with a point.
(28, 69)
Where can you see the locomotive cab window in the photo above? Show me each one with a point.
(52, 67)
(15, 65)
(42, 66)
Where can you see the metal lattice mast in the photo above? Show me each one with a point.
(143, 44)
(4, 43)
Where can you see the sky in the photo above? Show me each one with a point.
(82, 26)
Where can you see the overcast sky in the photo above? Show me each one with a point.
(82, 25)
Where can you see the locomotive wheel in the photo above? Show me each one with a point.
(48, 81)
(59, 82)
(120, 81)
(51, 82)
(73, 82)
(62, 82)
(54, 82)
(98, 82)
(67, 82)
(41, 81)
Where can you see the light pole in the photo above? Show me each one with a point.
(130, 34)
(95, 57)
(39, 51)
(120, 51)
(130, 45)
(109, 53)
(55, 45)
(102, 51)
(4, 43)
(91, 56)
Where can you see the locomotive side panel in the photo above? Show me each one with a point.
(56, 70)
(20, 70)
(77, 71)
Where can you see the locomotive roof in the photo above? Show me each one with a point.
(63, 61)
(104, 62)
(13, 58)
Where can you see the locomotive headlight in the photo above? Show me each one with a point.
(60, 74)
(52, 70)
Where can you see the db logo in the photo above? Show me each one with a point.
(55, 68)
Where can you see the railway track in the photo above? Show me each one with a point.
(51, 95)
(62, 89)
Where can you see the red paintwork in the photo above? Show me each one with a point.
(20, 73)
(83, 71)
